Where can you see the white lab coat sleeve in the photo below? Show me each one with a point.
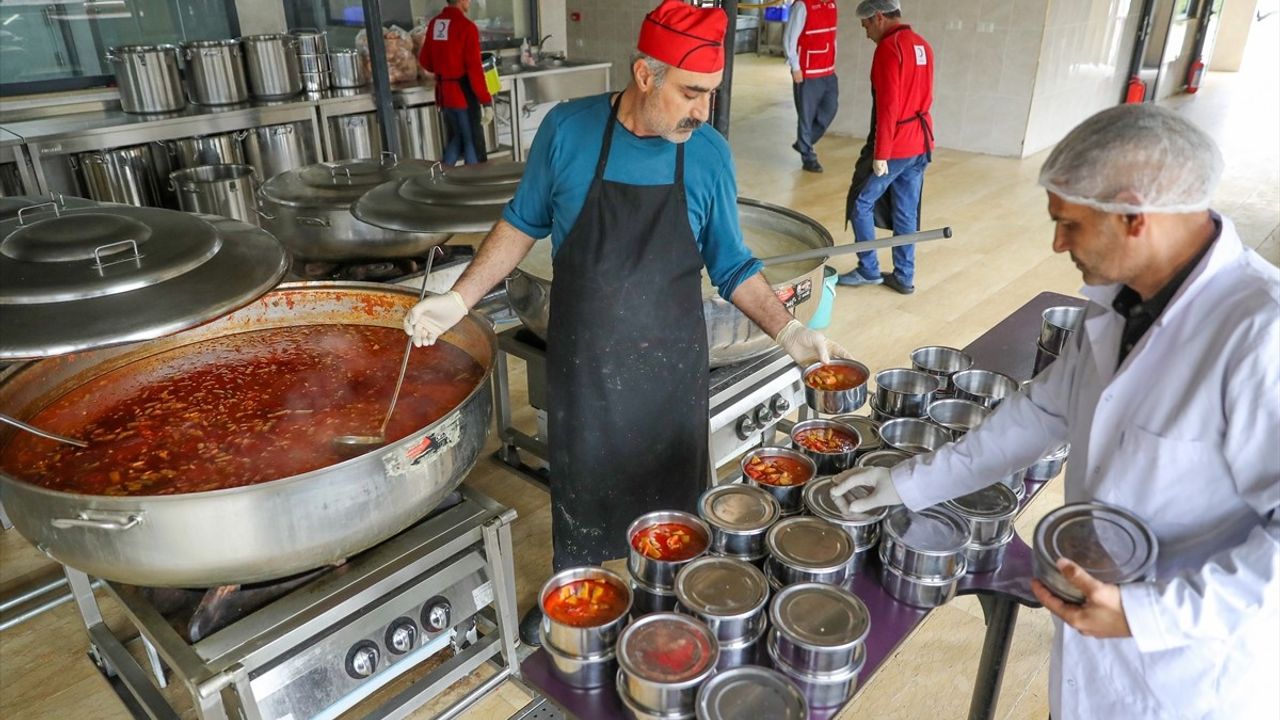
(1021, 430)
(1212, 601)
(791, 34)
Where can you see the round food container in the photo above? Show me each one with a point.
(1048, 467)
(984, 387)
(868, 432)
(581, 672)
(1044, 358)
(986, 558)
(878, 415)
(837, 387)
(647, 599)
(886, 458)
(1110, 543)
(915, 591)
(661, 542)
(925, 544)
(941, 362)
(728, 595)
(583, 610)
(738, 514)
(742, 652)
(781, 472)
(808, 549)
(913, 436)
(751, 693)
(957, 416)
(905, 393)
(663, 659)
(1057, 326)
(824, 690)
(831, 445)
(818, 628)
(863, 528)
(988, 511)
(636, 712)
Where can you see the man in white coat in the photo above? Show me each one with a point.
(1170, 398)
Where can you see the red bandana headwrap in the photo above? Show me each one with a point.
(685, 36)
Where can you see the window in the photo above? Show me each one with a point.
(60, 45)
(502, 23)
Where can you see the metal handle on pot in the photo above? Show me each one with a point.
(82, 520)
(97, 254)
(312, 221)
(383, 156)
(824, 253)
(51, 203)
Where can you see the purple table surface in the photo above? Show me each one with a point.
(1010, 348)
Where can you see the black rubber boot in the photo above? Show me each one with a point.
(530, 626)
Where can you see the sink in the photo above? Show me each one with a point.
(553, 87)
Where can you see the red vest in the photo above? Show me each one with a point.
(817, 44)
(451, 50)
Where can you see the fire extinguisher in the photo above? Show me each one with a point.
(1137, 91)
(1195, 74)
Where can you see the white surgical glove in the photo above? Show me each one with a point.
(862, 490)
(880, 167)
(433, 317)
(806, 346)
(486, 114)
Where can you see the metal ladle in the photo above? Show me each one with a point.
(362, 443)
(42, 433)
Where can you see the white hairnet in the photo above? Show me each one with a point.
(1135, 159)
(867, 8)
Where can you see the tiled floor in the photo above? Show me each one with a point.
(998, 259)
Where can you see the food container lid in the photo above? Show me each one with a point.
(868, 430)
(817, 497)
(885, 458)
(810, 543)
(76, 278)
(819, 615)
(749, 693)
(339, 183)
(465, 199)
(721, 587)
(739, 508)
(1110, 543)
(669, 649)
(933, 531)
(994, 502)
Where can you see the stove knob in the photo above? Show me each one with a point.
(436, 615)
(779, 405)
(401, 636)
(362, 661)
(746, 428)
(762, 415)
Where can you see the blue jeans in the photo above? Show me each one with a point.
(903, 182)
(461, 143)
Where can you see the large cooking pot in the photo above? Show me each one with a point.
(256, 532)
(769, 230)
(273, 149)
(122, 175)
(215, 72)
(147, 77)
(271, 61)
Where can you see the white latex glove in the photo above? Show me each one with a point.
(862, 490)
(486, 114)
(806, 346)
(880, 167)
(433, 317)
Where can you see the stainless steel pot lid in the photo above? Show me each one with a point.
(750, 693)
(885, 458)
(721, 587)
(669, 649)
(810, 544)
(1110, 543)
(9, 206)
(934, 530)
(867, 428)
(455, 200)
(817, 497)
(338, 183)
(739, 509)
(994, 502)
(57, 296)
(821, 616)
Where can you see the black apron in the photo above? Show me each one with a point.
(882, 211)
(474, 117)
(627, 365)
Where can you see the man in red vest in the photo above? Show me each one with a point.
(451, 51)
(899, 146)
(810, 41)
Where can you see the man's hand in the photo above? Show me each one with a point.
(797, 76)
(1101, 615)
(486, 114)
(433, 317)
(880, 167)
(862, 490)
(805, 345)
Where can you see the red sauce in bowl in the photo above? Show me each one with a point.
(672, 542)
(777, 470)
(585, 603)
(826, 440)
(835, 377)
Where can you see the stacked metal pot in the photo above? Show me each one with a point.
(750, 693)
(663, 660)
(989, 513)
(817, 641)
(739, 516)
(808, 549)
(653, 580)
(922, 555)
(730, 597)
(583, 656)
(1057, 326)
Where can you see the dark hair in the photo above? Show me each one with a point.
(895, 14)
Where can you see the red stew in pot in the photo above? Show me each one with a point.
(673, 542)
(585, 603)
(835, 377)
(826, 440)
(238, 410)
(777, 470)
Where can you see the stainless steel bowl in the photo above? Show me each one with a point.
(662, 573)
(883, 458)
(913, 436)
(822, 691)
(827, 463)
(918, 592)
(661, 687)
(925, 544)
(579, 672)
(941, 362)
(1058, 325)
(1044, 358)
(582, 642)
(739, 515)
(1048, 467)
(808, 549)
(957, 416)
(905, 393)
(987, 558)
(989, 512)
(818, 628)
(728, 595)
(789, 497)
(863, 528)
(635, 711)
(646, 599)
(837, 402)
(984, 387)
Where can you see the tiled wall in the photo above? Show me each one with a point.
(607, 31)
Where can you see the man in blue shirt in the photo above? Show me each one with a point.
(637, 195)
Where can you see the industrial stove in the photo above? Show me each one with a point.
(316, 645)
(748, 401)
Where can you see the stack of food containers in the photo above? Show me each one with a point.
(957, 416)
(808, 549)
(730, 597)
(663, 659)
(1048, 467)
(781, 472)
(903, 393)
(941, 362)
(984, 387)
(922, 555)
(831, 445)
(990, 513)
(739, 516)
(863, 528)
(1056, 329)
(661, 543)
(751, 693)
(583, 611)
(817, 640)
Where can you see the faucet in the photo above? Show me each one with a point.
(542, 41)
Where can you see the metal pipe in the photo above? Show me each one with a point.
(1002, 614)
(19, 598)
(381, 77)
